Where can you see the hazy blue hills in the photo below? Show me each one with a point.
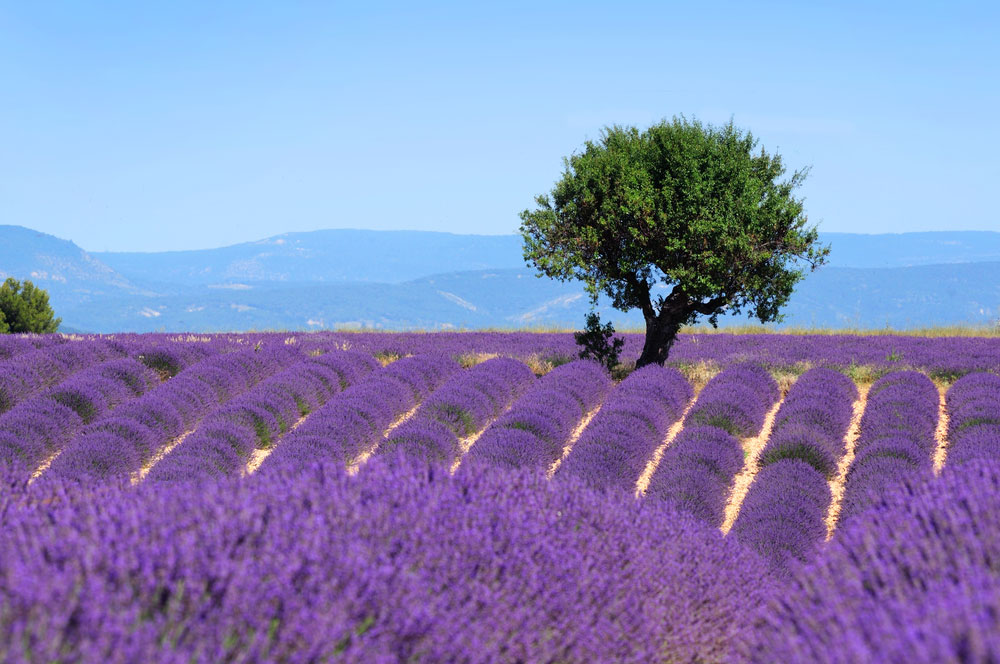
(328, 256)
(402, 279)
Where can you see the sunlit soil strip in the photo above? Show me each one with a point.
(43, 467)
(258, 455)
(466, 443)
(572, 440)
(850, 444)
(752, 447)
(367, 454)
(643, 482)
(941, 432)
(164, 451)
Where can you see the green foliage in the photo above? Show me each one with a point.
(597, 343)
(25, 308)
(689, 208)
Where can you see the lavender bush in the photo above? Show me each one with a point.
(614, 448)
(353, 421)
(896, 440)
(914, 579)
(537, 427)
(401, 563)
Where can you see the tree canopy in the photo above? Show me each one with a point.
(25, 308)
(681, 220)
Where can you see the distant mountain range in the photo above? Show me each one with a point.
(409, 279)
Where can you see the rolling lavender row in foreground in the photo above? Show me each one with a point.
(736, 400)
(614, 448)
(812, 422)
(697, 469)
(36, 370)
(783, 516)
(460, 407)
(897, 438)
(354, 420)
(118, 446)
(225, 439)
(42, 425)
(914, 579)
(402, 563)
(537, 427)
(696, 472)
(973, 404)
(784, 512)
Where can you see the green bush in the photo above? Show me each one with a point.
(25, 308)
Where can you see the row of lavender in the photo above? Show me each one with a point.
(897, 439)
(783, 516)
(405, 563)
(697, 469)
(225, 439)
(461, 407)
(353, 422)
(104, 402)
(114, 447)
(944, 356)
(536, 430)
(613, 450)
(54, 392)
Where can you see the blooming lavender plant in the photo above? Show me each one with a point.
(914, 578)
(736, 400)
(353, 421)
(403, 562)
(812, 422)
(33, 371)
(783, 515)
(973, 404)
(166, 411)
(614, 448)
(696, 472)
(535, 430)
(896, 440)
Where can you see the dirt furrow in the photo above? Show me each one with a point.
(752, 447)
(850, 444)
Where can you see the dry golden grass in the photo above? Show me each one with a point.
(699, 373)
(931, 331)
(386, 358)
(850, 444)
(469, 360)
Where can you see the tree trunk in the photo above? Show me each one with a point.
(661, 332)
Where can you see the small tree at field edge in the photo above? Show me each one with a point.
(681, 220)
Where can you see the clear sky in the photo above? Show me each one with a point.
(129, 126)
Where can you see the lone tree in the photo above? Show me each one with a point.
(25, 308)
(680, 220)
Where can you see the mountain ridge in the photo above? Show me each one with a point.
(442, 281)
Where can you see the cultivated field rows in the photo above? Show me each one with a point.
(778, 467)
(239, 498)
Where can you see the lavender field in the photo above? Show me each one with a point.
(487, 497)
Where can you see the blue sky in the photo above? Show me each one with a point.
(126, 126)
